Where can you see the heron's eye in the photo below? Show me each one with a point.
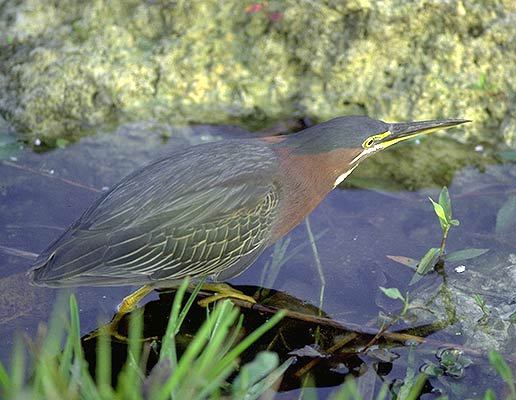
(368, 143)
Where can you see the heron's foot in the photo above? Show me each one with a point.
(223, 291)
(128, 304)
(111, 330)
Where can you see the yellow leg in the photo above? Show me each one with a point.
(128, 304)
(223, 291)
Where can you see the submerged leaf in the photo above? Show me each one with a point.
(506, 218)
(312, 351)
(452, 362)
(385, 319)
(392, 293)
(464, 254)
(431, 369)
(384, 355)
(409, 262)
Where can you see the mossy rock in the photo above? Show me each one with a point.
(70, 66)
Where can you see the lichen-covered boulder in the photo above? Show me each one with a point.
(69, 65)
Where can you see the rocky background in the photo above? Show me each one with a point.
(69, 65)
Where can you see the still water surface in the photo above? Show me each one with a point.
(356, 228)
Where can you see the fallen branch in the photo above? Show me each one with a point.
(323, 321)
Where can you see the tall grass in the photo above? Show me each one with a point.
(54, 371)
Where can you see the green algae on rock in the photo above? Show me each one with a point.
(69, 66)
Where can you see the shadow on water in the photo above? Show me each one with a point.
(332, 267)
(324, 349)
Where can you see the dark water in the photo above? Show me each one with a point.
(356, 228)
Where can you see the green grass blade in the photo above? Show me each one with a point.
(88, 389)
(489, 395)
(384, 391)
(188, 305)
(17, 368)
(503, 370)
(185, 363)
(213, 351)
(5, 380)
(75, 329)
(65, 361)
(133, 375)
(103, 367)
(168, 345)
(214, 383)
(348, 391)
(417, 387)
(249, 340)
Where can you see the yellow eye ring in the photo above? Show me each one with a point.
(368, 143)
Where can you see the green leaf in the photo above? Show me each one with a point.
(259, 388)
(425, 265)
(464, 254)
(439, 210)
(454, 222)
(392, 293)
(263, 364)
(506, 218)
(445, 203)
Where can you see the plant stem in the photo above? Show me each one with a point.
(443, 241)
(318, 264)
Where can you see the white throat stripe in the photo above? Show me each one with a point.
(341, 178)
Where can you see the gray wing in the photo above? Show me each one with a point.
(202, 211)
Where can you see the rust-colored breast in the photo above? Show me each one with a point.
(305, 180)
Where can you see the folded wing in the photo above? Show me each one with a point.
(206, 210)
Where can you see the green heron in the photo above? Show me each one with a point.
(211, 209)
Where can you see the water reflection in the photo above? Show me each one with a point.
(324, 349)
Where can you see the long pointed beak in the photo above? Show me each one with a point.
(406, 130)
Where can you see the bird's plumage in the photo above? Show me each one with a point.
(210, 210)
(206, 210)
